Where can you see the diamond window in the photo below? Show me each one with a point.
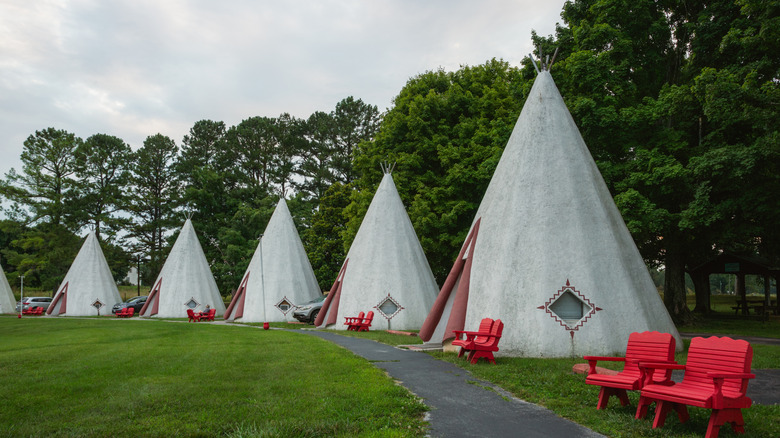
(570, 308)
(192, 303)
(284, 306)
(388, 307)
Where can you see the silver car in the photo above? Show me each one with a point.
(30, 302)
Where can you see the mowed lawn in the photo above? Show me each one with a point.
(106, 377)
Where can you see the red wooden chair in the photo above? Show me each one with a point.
(352, 321)
(38, 311)
(121, 313)
(716, 377)
(208, 316)
(641, 347)
(467, 342)
(363, 325)
(485, 344)
(130, 312)
(193, 316)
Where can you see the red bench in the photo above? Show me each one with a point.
(33, 311)
(481, 343)
(363, 325)
(127, 312)
(641, 347)
(352, 321)
(716, 377)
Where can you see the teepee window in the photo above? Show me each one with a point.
(192, 303)
(569, 308)
(284, 305)
(97, 304)
(388, 307)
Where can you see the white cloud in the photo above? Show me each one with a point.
(136, 68)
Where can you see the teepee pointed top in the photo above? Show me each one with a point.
(387, 168)
(546, 65)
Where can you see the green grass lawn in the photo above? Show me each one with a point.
(105, 377)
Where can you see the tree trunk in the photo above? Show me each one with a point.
(674, 285)
(701, 284)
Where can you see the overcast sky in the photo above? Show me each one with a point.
(134, 68)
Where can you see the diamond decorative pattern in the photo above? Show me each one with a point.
(570, 293)
(388, 307)
(192, 303)
(284, 305)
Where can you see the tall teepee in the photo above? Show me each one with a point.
(279, 276)
(7, 300)
(548, 252)
(185, 281)
(385, 270)
(88, 288)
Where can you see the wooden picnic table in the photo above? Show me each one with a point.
(757, 304)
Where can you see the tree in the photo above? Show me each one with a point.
(155, 197)
(46, 179)
(324, 238)
(102, 164)
(445, 133)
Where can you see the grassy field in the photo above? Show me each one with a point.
(156, 378)
(105, 377)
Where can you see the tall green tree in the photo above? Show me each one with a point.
(40, 192)
(102, 170)
(155, 198)
(445, 133)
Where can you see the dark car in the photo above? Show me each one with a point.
(136, 303)
(308, 312)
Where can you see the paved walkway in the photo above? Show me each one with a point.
(461, 405)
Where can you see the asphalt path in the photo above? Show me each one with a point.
(461, 405)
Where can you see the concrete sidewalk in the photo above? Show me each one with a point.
(461, 405)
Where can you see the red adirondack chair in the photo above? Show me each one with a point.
(467, 343)
(121, 313)
(352, 321)
(641, 347)
(193, 316)
(485, 346)
(129, 312)
(38, 311)
(716, 377)
(363, 325)
(208, 316)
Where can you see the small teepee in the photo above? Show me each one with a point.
(385, 270)
(88, 288)
(279, 276)
(7, 300)
(548, 252)
(185, 281)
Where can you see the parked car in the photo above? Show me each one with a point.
(307, 312)
(30, 302)
(136, 303)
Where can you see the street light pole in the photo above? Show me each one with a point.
(21, 297)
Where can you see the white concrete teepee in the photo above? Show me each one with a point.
(269, 293)
(385, 270)
(7, 300)
(548, 252)
(185, 281)
(88, 287)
